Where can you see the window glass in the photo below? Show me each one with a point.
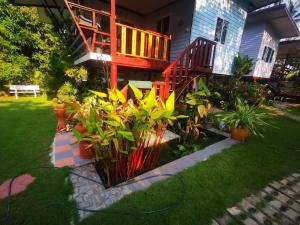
(221, 30)
(163, 25)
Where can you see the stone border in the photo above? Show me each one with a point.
(91, 195)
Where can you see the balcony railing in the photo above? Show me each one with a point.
(147, 44)
(93, 26)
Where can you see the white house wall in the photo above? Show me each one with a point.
(270, 39)
(204, 24)
(181, 15)
(251, 42)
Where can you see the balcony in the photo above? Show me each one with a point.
(135, 47)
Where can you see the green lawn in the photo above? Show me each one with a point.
(211, 186)
(295, 110)
(27, 130)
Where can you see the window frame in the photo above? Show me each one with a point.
(222, 27)
(268, 54)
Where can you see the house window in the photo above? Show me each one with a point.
(268, 54)
(163, 25)
(221, 30)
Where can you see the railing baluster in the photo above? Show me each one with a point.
(123, 40)
(165, 52)
(142, 49)
(134, 43)
(150, 38)
(174, 77)
(156, 47)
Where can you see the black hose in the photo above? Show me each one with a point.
(170, 206)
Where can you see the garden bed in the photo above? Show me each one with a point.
(167, 154)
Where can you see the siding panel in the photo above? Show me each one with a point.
(204, 24)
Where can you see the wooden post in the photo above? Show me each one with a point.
(113, 45)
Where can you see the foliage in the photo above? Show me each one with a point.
(77, 73)
(245, 116)
(121, 129)
(67, 91)
(242, 65)
(185, 149)
(28, 48)
(199, 104)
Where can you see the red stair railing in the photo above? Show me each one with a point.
(197, 58)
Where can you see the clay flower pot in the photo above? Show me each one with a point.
(86, 150)
(60, 115)
(80, 128)
(239, 134)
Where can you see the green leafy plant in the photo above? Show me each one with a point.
(185, 149)
(67, 91)
(199, 104)
(77, 73)
(245, 116)
(125, 134)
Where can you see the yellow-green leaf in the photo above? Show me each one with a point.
(150, 99)
(111, 94)
(170, 102)
(120, 96)
(202, 111)
(156, 114)
(98, 93)
(137, 93)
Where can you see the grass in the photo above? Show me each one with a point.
(27, 130)
(211, 186)
(294, 110)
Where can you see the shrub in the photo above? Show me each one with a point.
(67, 91)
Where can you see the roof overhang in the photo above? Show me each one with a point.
(278, 17)
(136, 6)
(256, 4)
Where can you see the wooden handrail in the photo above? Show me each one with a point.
(197, 57)
(104, 13)
(151, 45)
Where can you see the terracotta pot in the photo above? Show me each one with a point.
(239, 134)
(60, 115)
(86, 151)
(80, 128)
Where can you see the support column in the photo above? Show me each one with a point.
(113, 76)
(113, 45)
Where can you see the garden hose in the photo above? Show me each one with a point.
(8, 217)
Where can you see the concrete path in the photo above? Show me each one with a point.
(277, 204)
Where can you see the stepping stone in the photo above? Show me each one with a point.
(18, 185)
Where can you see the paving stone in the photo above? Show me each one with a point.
(276, 204)
(214, 222)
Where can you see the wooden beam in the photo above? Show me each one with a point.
(140, 63)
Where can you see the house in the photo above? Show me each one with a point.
(164, 42)
(263, 31)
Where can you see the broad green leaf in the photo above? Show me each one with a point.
(156, 114)
(120, 96)
(182, 117)
(150, 99)
(137, 93)
(170, 102)
(99, 94)
(111, 94)
(126, 134)
(112, 123)
(77, 135)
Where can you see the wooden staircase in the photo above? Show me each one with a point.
(197, 58)
(141, 49)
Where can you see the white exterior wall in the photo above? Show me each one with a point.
(270, 39)
(204, 24)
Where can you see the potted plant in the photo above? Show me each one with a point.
(66, 92)
(244, 120)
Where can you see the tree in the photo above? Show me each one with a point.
(30, 50)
